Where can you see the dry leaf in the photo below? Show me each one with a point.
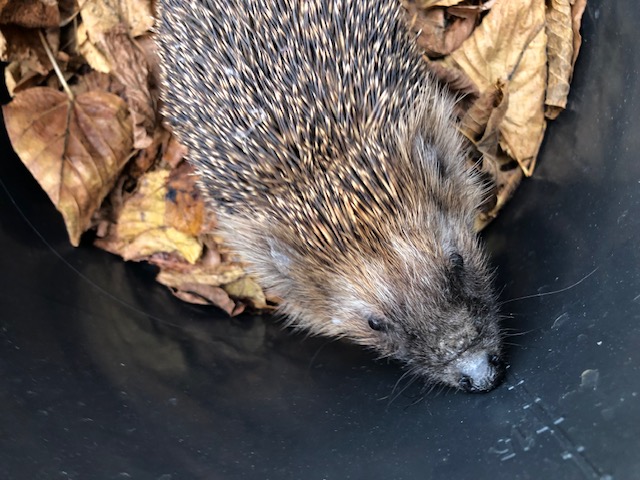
(185, 208)
(17, 78)
(481, 123)
(247, 289)
(141, 226)
(94, 57)
(100, 16)
(577, 9)
(129, 66)
(457, 82)
(506, 183)
(151, 155)
(97, 81)
(494, 52)
(424, 4)
(30, 13)
(524, 124)
(174, 153)
(560, 54)
(204, 295)
(494, 49)
(563, 31)
(74, 149)
(24, 46)
(439, 35)
(470, 11)
(200, 274)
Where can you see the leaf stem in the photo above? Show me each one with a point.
(54, 63)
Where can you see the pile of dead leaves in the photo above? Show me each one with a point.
(85, 122)
(512, 60)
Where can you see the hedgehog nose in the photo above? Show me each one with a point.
(480, 372)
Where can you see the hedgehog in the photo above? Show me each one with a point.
(333, 161)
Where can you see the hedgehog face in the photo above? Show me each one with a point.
(432, 308)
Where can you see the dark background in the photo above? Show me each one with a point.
(104, 375)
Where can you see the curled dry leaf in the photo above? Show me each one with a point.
(563, 32)
(74, 148)
(577, 9)
(560, 50)
(472, 11)
(97, 81)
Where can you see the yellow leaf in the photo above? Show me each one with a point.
(141, 229)
(247, 289)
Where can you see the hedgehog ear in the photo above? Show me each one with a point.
(280, 255)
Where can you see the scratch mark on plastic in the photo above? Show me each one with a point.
(572, 451)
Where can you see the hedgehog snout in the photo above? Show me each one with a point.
(479, 371)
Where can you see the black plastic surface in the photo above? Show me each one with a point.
(104, 375)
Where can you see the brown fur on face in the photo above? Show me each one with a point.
(334, 161)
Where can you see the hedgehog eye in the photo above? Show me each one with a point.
(377, 323)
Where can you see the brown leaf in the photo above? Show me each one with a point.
(174, 153)
(506, 183)
(24, 46)
(30, 13)
(439, 36)
(185, 207)
(481, 123)
(200, 284)
(204, 295)
(457, 82)
(129, 65)
(151, 155)
(74, 149)
(97, 81)
(563, 29)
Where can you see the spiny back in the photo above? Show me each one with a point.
(291, 107)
